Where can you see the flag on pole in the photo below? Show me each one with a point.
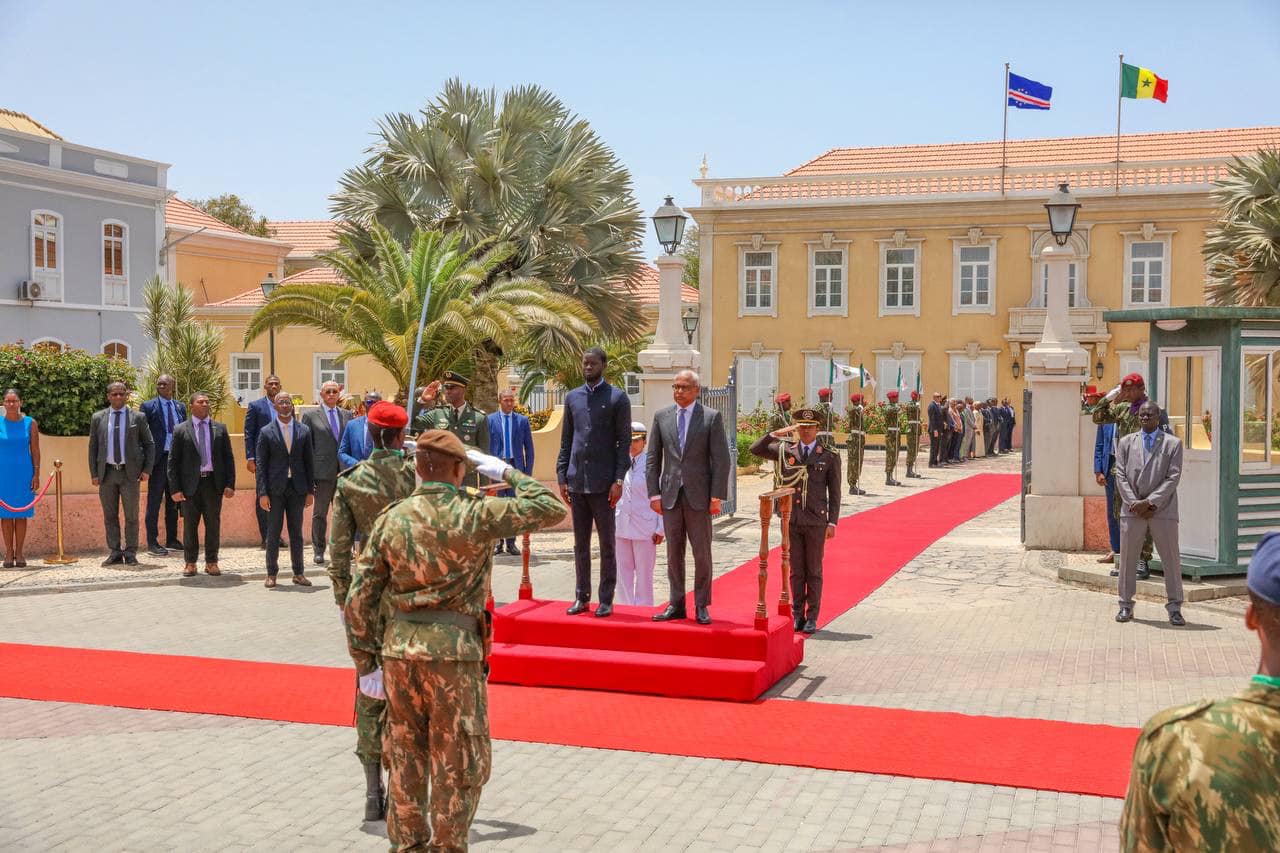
(861, 373)
(917, 383)
(1136, 82)
(1026, 94)
(842, 373)
(899, 385)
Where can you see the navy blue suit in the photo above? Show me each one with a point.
(355, 446)
(521, 456)
(158, 489)
(258, 415)
(287, 476)
(1104, 446)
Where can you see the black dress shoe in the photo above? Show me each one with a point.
(1115, 573)
(513, 549)
(318, 559)
(497, 549)
(1124, 615)
(1175, 618)
(577, 607)
(853, 490)
(130, 560)
(703, 615)
(157, 551)
(173, 546)
(113, 559)
(671, 612)
(810, 626)
(799, 624)
(604, 610)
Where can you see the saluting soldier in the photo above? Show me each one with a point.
(891, 437)
(913, 433)
(826, 420)
(454, 414)
(363, 492)
(815, 471)
(856, 444)
(430, 554)
(781, 415)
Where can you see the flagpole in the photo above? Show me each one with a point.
(1119, 101)
(1004, 140)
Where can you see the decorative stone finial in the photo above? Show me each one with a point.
(702, 170)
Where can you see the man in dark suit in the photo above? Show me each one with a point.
(1104, 457)
(163, 413)
(121, 455)
(202, 471)
(1010, 419)
(511, 440)
(595, 453)
(326, 425)
(356, 445)
(285, 484)
(939, 429)
(261, 412)
(688, 470)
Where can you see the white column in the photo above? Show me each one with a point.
(1056, 368)
(670, 351)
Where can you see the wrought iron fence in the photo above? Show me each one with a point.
(541, 398)
(724, 399)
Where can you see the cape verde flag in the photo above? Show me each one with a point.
(1027, 94)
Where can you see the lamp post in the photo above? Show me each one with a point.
(689, 319)
(1062, 207)
(268, 286)
(1099, 368)
(671, 349)
(669, 221)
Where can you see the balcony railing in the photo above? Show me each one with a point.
(1086, 323)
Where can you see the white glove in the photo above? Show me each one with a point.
(1112, 394)
(371, 685)
(342, 616)
(491, 466)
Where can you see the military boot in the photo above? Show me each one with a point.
(375, 798)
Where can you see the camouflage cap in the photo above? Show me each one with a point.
(444, 442)
(1263, 578)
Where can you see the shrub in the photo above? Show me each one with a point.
(538, 419)
(755, 422)
(745, 456)
(61, 390)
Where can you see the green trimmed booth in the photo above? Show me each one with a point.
(1217, 374)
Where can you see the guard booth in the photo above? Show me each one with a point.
(1216, 371)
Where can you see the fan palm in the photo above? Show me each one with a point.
(1242, 249)
(538, 364)
(185, 348)
(374, 310)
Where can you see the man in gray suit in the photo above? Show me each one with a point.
(1148, 467)
(121, 453)
(327, 424)
(688, 471)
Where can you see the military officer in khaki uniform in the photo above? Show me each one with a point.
(363, 492)
(815, 470)
(891, 429)
(454, 414)
(913, 433)
(856, 444)
(1204, 776)
(430, 554)
(826, 420)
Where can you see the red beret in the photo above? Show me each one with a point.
(915, 395)
(824, 393)
(1091, 391)
(892, 395)
(1131, 380)
(388, 415)
(784, 397)
(855, 398)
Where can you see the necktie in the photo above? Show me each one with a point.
(168, 423)
(1149, 439)
(506, 437)
(333, 422)
(206, 457)
(197, 435)
(287, 431)
(804, 453)
(683, 422)
(119, 438)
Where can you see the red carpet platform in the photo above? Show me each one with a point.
(535, 643)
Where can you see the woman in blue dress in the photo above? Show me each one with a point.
(19, 475)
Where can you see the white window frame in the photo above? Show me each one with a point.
(764, 395)
(636, 397)
(886, 246)
(841, 246)
(1166, 268)
(959, 244)
(49, 340)
(51, 279)
(128, 347)
(1272, 457)
(959, 357)
(317, 374)
(115, 285)
(772, 309)
(246, 396)
(811, 359)
(886, 374)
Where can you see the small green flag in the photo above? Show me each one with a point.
(862, 373)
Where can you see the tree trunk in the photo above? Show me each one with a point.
(484, 379)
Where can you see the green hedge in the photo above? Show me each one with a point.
(745, 456)
(61, 390)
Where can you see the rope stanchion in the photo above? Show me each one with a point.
(38, 497)
(60, 558)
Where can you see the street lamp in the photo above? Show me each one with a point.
(668, 221)
(268, 286)
(1017, 368)
(689, 319)
(1062, 207)
(1099, 368)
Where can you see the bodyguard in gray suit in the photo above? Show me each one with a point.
(121, 454)
(688, 471)
(1148, 467)
(327, 424)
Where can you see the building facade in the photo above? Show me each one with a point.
(923, 261)
(80, 233)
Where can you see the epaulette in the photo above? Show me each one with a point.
(391, 505)
(1175, 715)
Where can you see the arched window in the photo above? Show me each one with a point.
(47, 252)
(115, 263)
(116, 349)
(49, 345)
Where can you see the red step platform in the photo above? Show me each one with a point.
(536, 643)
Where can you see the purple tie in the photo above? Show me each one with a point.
(333, 422)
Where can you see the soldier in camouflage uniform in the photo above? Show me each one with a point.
(781, 415)
(913, 433)
(892, 426)
(856, 444)
(1204, 776)
(826, 420)
(454, 414)
(430, 554)
(363, 492)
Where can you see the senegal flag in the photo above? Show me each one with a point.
(1138, 82)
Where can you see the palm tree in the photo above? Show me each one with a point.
(538, 365)
(374, 310)
(523, 171)
(1242, 249)
(185, 348)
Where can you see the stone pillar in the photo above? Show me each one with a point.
(1056, 367)
(670, 351)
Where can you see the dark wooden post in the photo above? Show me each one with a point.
(783, 497)
(784, 518)
(526, 584)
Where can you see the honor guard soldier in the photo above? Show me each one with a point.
(913, 433)
(814, 472)
(891, 429)
(856, 444)
(363, 492)
(454, 414)
(826, 420)
(430, 555)
(781, 415)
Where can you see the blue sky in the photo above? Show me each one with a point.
(274, 100)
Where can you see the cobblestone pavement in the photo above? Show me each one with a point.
(971, 625)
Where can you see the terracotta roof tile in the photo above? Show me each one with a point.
(254, 298)
(23, 123)
(644, 284)
(186, 215)
(309, 237)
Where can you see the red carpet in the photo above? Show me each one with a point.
(1042, 754)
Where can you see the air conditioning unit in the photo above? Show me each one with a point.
(30, 290)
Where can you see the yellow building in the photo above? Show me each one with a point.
(924, 258)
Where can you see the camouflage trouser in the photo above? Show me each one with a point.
(438, 750)
(853, 465)
(913, 447)
(890, 453)
(370, 720)
(1148, 547)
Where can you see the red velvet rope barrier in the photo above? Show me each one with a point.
(47, 483)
